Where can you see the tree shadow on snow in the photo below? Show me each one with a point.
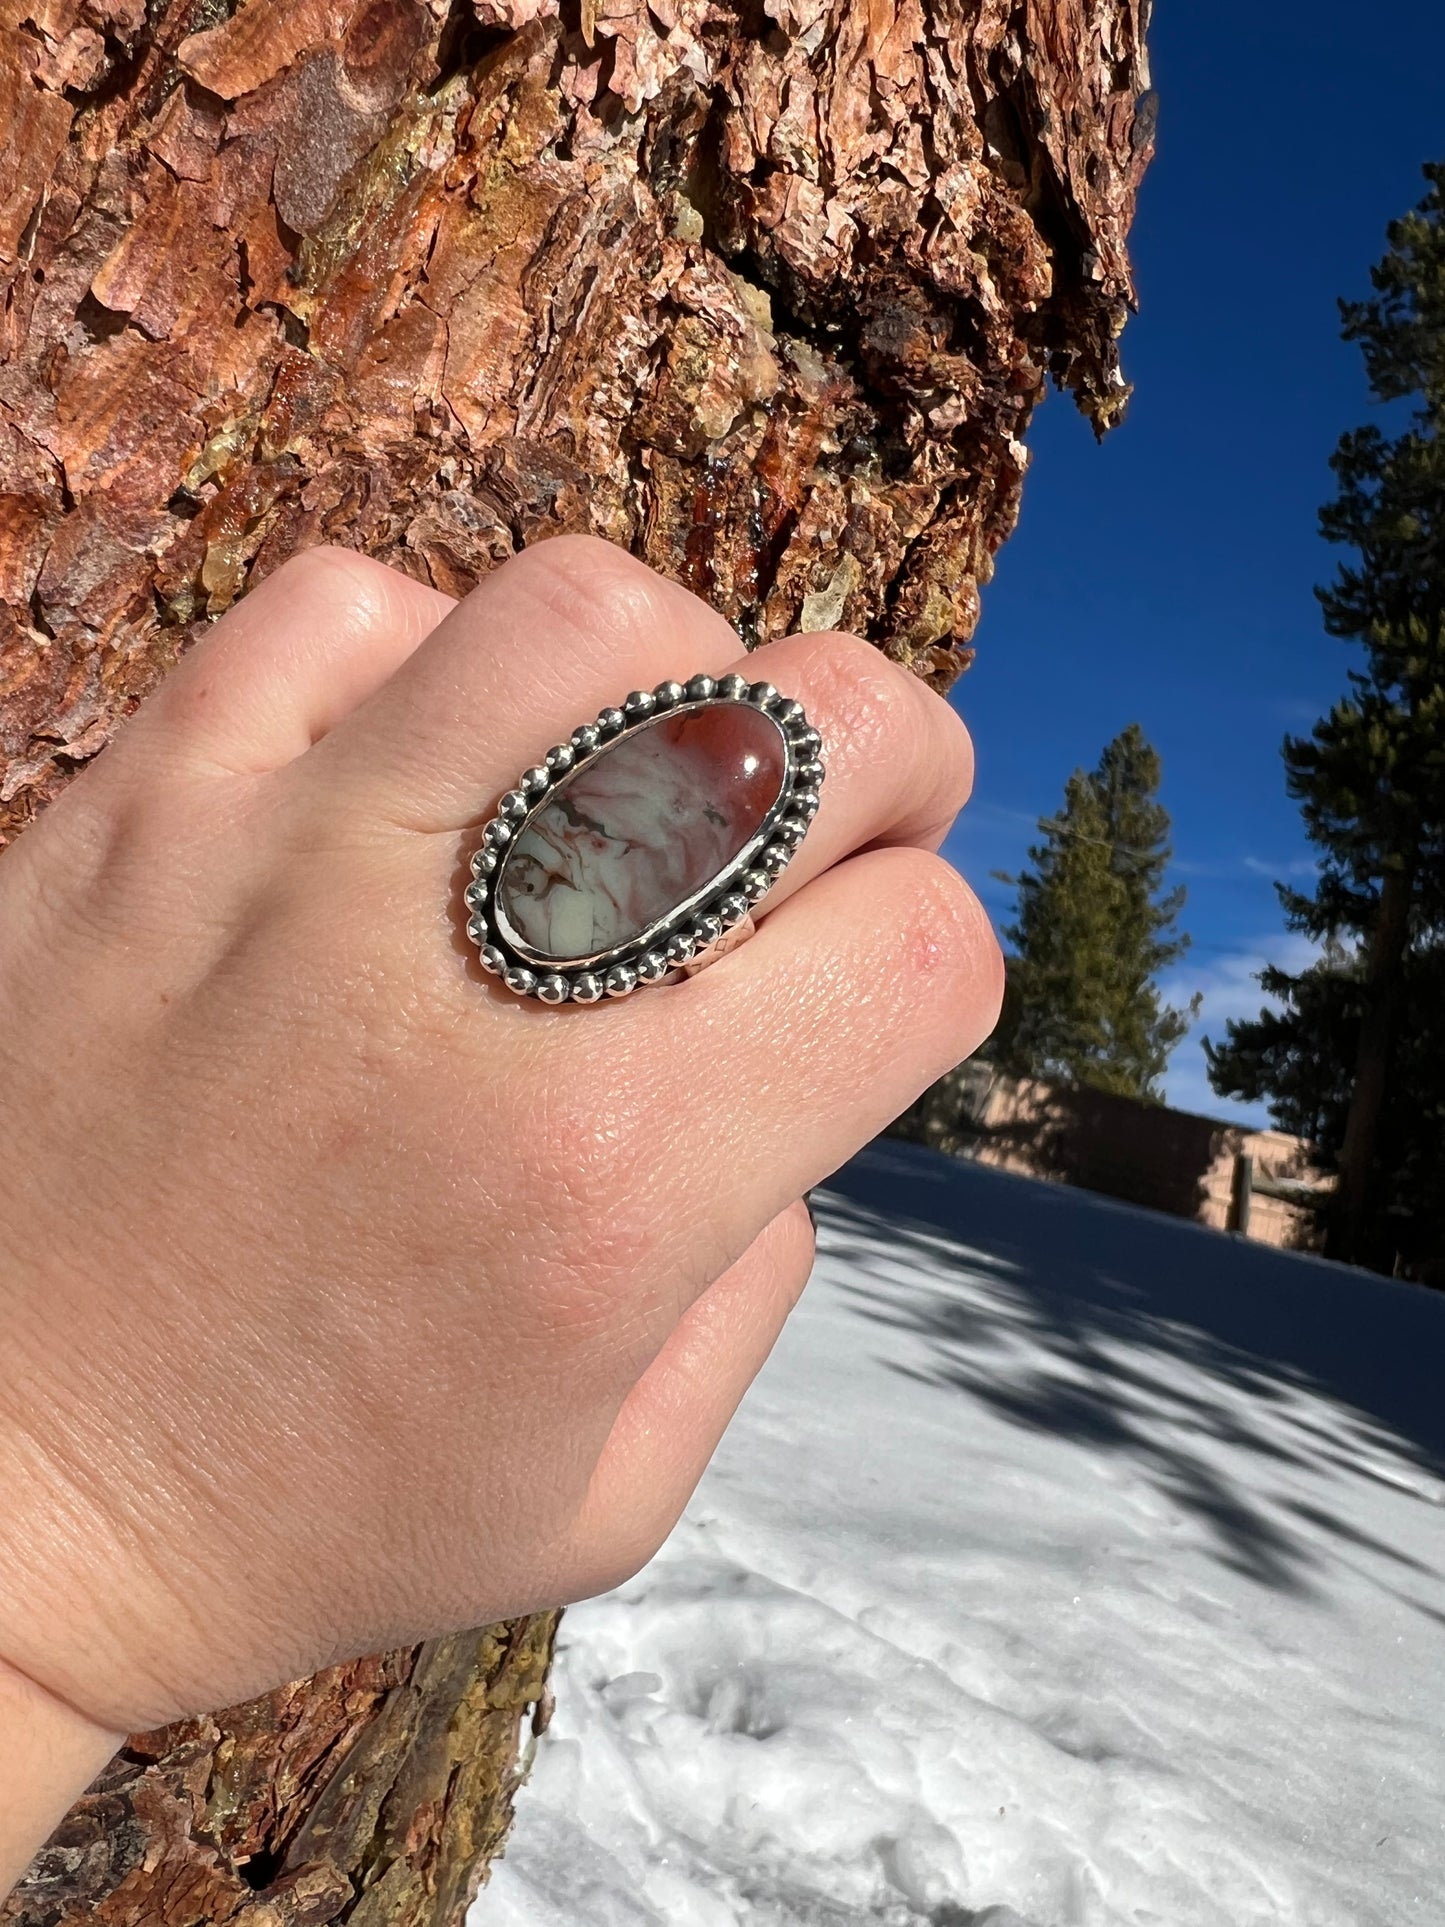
(1147, 1325)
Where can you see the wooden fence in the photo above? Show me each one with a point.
(1258, 1183)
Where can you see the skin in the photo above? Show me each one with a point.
(347, 1299)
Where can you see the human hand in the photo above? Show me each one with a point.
(348, 1299)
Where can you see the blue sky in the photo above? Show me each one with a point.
(1166, 576)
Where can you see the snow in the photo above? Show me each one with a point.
(1067, 1566)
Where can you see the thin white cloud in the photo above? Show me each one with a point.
(1185, 867)
(1301, 713)
(1228, 980)
(1228, 985)
(1301, 866)
(980, 809)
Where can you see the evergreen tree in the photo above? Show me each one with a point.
(1355, 1054)
(1093, 932)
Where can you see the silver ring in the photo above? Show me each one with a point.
(635, 852)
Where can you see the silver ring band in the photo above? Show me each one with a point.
(635, 852)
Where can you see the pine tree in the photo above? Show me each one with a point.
(1356, 1051)
(1093, 933)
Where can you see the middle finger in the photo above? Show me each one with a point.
(898, 760)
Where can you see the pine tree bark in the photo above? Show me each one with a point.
(767, 292)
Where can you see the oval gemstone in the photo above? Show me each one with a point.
(641, 828)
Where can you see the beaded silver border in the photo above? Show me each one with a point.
(689, 928)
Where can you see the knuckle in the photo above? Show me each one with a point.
(957, 751)
(866, 697)
(947, 940)
(580, 553)
(893, 723)
(336, 577)
(326, 562)
(598, 587)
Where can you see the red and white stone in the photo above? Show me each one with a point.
(652, 819)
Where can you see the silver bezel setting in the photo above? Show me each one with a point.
(675, 940)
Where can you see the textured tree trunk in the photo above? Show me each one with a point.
(767, 292)
(1349, 1235)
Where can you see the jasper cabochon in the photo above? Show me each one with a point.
(640, 829)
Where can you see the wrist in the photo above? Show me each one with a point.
(76, 1600)
(49, 1754)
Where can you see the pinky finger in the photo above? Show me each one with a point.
(673, 1418)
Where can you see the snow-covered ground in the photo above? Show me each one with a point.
(1066, 1566)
